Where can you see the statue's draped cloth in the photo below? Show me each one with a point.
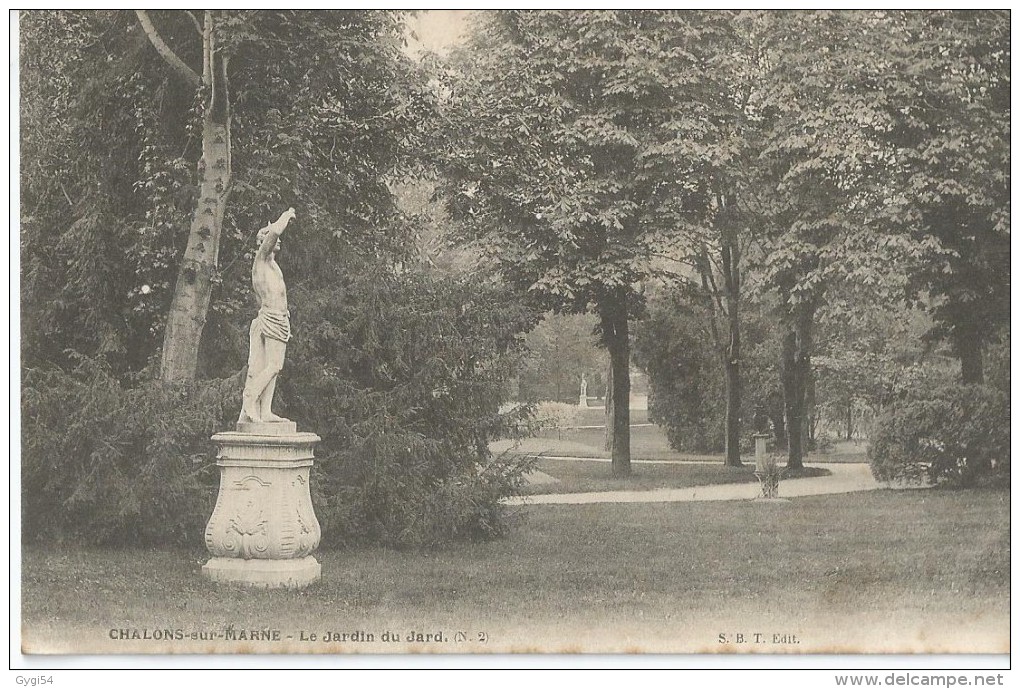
(272, 324)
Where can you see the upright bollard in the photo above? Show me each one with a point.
(765, 468)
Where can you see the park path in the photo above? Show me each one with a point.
(845, 478)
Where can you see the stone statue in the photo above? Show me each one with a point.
(584, 386)
(263, 530)
(270, 330)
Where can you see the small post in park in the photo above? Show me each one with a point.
(766, 469)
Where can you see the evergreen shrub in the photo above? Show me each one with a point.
(952, 434)
(402, 375)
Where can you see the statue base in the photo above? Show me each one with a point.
(267, 427)
(270, 574)
(263, 529)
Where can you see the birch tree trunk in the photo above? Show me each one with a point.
(193, 290)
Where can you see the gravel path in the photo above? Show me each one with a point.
(845, 478)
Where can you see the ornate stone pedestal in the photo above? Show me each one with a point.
(263, 530)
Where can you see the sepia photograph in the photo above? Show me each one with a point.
(484, 332)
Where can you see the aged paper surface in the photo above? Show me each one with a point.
(450, 601)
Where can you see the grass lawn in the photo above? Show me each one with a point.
(894, 571)
(649, 442)
(646, 442)
(584, 477)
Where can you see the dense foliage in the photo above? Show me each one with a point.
(953, 434)
(102, 462)
(812, 182)
(325, 108)
(575, 141)
(864, 363)
(674, 345)
(401, 375)
(562, 348)
(951, 124)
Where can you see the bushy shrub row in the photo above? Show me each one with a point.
(674, 345)
(402, 376)
(106, 463)
(685, 395)
(952, 434)
(557, 415)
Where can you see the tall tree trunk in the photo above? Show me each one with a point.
(967, 346)
(731, 279)
(192, 293)
(193, 290)
(725, 304)
(792, 400)
(616, 337)
(733, 414)
(608, 439)
(810, 415)
(850, 419)
(619, 354)
(795, 370)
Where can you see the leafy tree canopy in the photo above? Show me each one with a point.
(564, 124)
(326, 108)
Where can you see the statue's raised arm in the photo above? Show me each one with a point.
(269, 234)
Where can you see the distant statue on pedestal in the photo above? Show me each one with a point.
(270, 330)
(582, 399)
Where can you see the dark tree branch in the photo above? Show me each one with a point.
(207, 54)
(194, 19)
(716, 293)
(709, 289)
(169, 56)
